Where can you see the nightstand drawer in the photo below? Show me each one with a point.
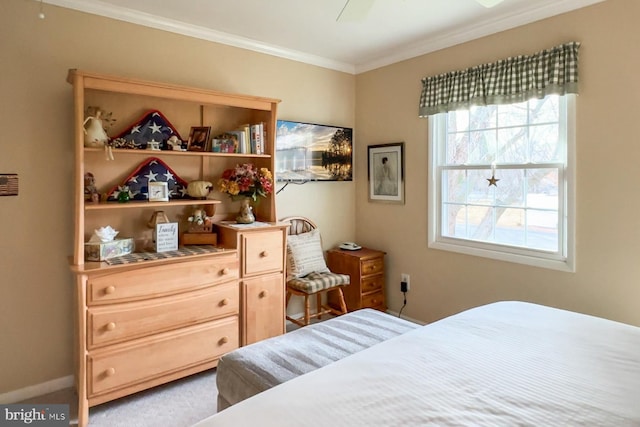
(160, 280)
(372, 283)
(118, 322)
(132, 363)
(262, 252)
(373, 300)
(372, 266)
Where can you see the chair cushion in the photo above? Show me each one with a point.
(304, 255)
(315, 282)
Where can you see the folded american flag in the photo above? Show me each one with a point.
(152, 127)
(152, 169)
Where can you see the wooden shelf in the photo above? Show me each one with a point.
(135, 204)
(174, 153)
(188, 309)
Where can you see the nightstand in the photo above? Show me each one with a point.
(366, 269)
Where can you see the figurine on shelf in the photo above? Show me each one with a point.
(90, 190)
(174, 144)
(199, 222)
(124, 195)
(95, 134)
(199, 189)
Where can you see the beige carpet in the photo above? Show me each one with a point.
(180, 403)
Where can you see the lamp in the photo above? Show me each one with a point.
(158, 217)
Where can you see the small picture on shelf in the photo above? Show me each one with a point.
(198, 138)
(225, 143)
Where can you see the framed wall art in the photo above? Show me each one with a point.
(312, 152)
(385, 172)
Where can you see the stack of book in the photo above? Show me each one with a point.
(246, 139)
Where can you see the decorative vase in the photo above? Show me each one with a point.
(245, 215)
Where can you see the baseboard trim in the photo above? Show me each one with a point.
(36, 390)
(394, 313)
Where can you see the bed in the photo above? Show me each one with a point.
(502, 364)
(260, 366)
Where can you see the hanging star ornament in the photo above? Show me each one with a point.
(493, 181)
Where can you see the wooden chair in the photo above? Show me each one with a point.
(314, 283)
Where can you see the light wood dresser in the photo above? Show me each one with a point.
(366, 269)
(144, 326)
(262, 276)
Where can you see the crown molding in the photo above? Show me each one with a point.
(482, 29)
(452, 38)
(96, 7)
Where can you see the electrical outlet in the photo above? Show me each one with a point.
(405, 280)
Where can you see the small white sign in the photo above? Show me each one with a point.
(166, 237)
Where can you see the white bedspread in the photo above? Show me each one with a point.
(503, 364)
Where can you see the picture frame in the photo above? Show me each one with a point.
(313, 152)
(199, 138)
(166, 236)
(158, 191)
(385, 172)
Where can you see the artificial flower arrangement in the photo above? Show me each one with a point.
(246, 180)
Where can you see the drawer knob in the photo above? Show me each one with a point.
(264, 254)
(223, 340)
(224, 302)
(111, 326)
(110, 372)
(109, 290)
(263, 294)
(224, 271)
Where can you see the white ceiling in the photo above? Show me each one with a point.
(307, 30)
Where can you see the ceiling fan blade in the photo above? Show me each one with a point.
(354, 10)
(489, 3)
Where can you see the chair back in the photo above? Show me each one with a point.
(299, 225)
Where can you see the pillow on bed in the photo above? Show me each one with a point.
(304, 254)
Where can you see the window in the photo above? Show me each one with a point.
(527, 216)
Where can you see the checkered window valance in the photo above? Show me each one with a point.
(511, 80)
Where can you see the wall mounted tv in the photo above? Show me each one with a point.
(312, 152)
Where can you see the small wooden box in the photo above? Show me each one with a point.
(200, 239)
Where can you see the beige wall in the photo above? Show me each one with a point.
(35, 107)
(608, 243)
(36, 116)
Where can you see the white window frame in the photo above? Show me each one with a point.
(563, 261)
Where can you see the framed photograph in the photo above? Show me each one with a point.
(198, 138)
(312, 152)
(158, 191)
(385, 172)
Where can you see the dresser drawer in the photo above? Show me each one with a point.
(372, 266)
(372, 283)
(262, 252)
(159, 280)
(118, 322)
(153, 357)
(374, 300)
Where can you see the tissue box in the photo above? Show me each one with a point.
(101, 251)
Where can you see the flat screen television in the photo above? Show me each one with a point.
(312, 152)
